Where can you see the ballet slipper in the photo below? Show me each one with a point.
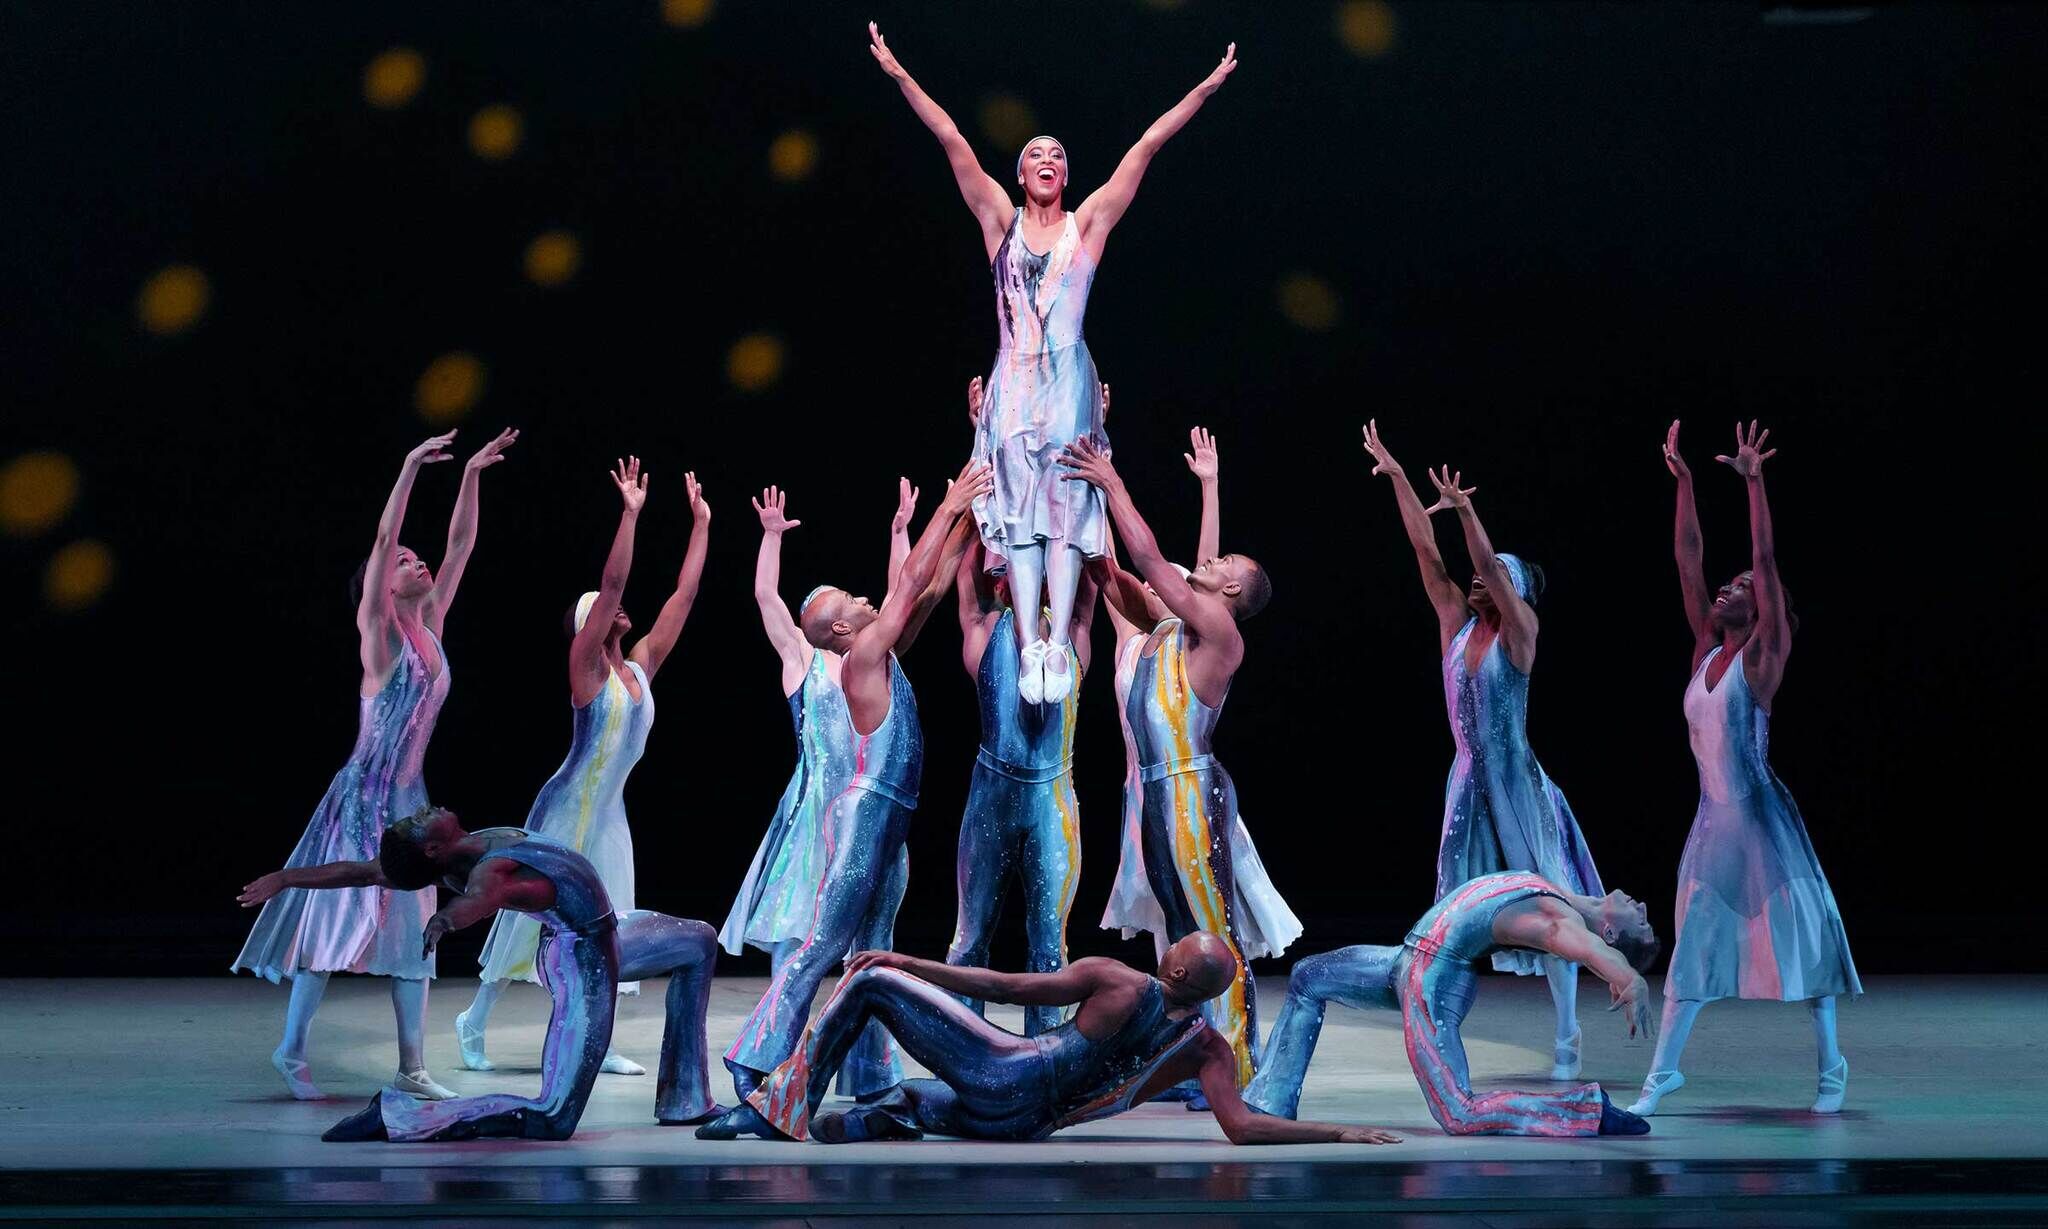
(1656, 1086)
(619, 1064)
(421, 1085)
(1834, 1088)
(1058, 683)
(470, 1043)
(296, 1081)
(1031, 672)
(1564, 1057)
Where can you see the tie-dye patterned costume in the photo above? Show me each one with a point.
(1042, 395)
(992, 1084)
(1756, 918)
(360, 930)
(866, 870)
(1021, 818)
(584, 949)
(1431, 979)
(583, 807)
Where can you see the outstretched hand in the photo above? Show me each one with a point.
(974, 395)
(434, 448)
(769, 507)
(1383, 461)
(1634, 1000)
(1202, 460)
(1749, 455)
(699, 510)
(631, 482)
(906, 506)
(257, 891)
(976, 480)
(1448, 493)
(1672, 461)
(437, 926)
(492, 453)
(1224, 67)
(1084, 462)
(1367, 1135)
(879, 48)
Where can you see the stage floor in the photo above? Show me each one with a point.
(173, 1076)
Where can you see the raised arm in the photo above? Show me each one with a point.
(586, 653)
(1105, 206)
(1517, 617)
(462, 532)
(1122, 594)
(1555, 927)
(899, 532)
(1689, 549)
(1201, 459)
(1445, 597)
(783, 635)
(1066, 986)
(974, 598)
(1764, 657)
(655, 646)
(875, 641)
(327, 875)
(925, 601)
(984, 196)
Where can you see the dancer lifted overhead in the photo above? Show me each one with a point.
(401, 606)
(1043, 393)
(611, 701)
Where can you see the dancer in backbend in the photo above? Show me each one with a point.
(1432, 978)
(1501, 811)
(1756, 919)
(1265, 925)
(1131, 1035)
(1042, 393)
(585, 951)
(400, 607)
(611, 702)
(1183, 674)
(865, 830)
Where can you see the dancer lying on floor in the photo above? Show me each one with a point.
(585, 951)
(1131, 1036)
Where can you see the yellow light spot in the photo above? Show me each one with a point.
(394, 78)
(1366, 27)
(553, 258)
(173, 299)
(1008, 120)
(687, 14)
(449, 387)
(495, 132)
(755, 362)
(78, 574)
(1308, 302)
(793, 156)
(37, 490)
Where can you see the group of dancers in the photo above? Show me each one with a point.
(1027, 537)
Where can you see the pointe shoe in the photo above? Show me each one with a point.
(1564, 1057)
(1834, 1088)
(619, 1064)
(421, 1085)
(296, 1081)
(1031, 672)
(470, 1042)
(1656, 1086)
(1058, 683)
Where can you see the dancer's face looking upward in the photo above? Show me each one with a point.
(1624, 924)
(1735, 603)
(834, 617)
(1042, 170)
(1237, 579)
(411, 579)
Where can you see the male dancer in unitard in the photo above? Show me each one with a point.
(1432, 978)
(1131, 1036)
(1183, 673)
(868, 822)
(585, 951)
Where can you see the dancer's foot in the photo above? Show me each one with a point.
(1197, 1103)
(1059, 672)
(1615, 1121)
(366, 1123)
(470, 1042)
(1656, 1086)
(422, 1085)
(737, 1121)
(1564, 1058)
(1031, 672)
(1179, 1092)
(860, 1126)
(296, 1081)
(716, 1111)
(619, 1064)
(1834, 1088)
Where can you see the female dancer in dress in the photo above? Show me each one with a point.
(611, 699)
(1756, 919)
(1042, 392)
(400, 609)
(1501, 811)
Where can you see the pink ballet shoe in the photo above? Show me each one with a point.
(296, 1080)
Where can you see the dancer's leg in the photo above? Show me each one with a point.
(1358, 977)
(1664, 1076)
(873, 1067)
(1563, 977)
(290, 1056)
(1026, 564)
(470, 1025)
(1051, 857)
(988, 849)
(409, 1007)
(1192, 877)
(1834, 1069)
(1063, 566)
(650, 945)
(1435, 995)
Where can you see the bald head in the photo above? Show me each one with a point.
(1199, 967)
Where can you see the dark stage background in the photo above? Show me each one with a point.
(1524, 237)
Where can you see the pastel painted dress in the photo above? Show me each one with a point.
(1501, 810)
(1756, 919)
(1042, 395)
(780, 894)
(583, 807)
(360, 930)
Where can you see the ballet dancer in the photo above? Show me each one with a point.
(401, 607)
(1432, 979)
(611, 709)
(1183, 673)
(1042, 392)
(585, 950)
(1130, 1035)
(865, 830)
(1756, 919)
(1501, 810)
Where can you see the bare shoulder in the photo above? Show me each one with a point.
(1105, 973)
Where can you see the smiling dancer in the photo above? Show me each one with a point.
(1043, 393)
(1432, 978)
(1756, 918)
(1501, 810)
(585, 949)
(611, 701)
(400, 607)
